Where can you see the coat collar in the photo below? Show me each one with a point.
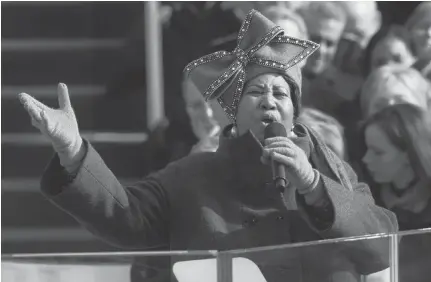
(244, 152)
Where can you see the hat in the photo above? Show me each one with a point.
(262, 47)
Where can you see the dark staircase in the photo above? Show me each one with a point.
(81, 44)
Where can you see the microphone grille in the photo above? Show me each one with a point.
(275, 129)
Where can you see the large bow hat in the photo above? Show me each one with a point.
(262, 47)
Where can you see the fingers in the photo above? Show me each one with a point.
(45, 120)
(288, 161)
(30, 106)
(273, 140)
(267, 153)
(282, 144)
(24, 98)
(63, 96)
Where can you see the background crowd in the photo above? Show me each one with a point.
(366, 91)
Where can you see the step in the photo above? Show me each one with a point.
(92, 108)
(60, 44)
(69, 65)
(75, 19)
(28, 154)
(38, 212)
(31, 209)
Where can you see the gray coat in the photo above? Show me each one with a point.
(225, 200)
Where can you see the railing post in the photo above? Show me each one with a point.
(394, 257)
(154, 65)
(224, 267)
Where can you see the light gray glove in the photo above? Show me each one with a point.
(59, 126)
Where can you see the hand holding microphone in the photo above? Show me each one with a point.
(288, 160)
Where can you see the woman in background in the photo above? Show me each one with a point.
(394, 84)
(390, 45)
(398, 158)
(419, 24)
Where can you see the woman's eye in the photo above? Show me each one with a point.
(280, 94)
(254, 92)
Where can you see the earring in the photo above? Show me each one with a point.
(234, 130)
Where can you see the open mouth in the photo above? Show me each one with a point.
(267, 119)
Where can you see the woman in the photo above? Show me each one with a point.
(390, 45)
(226, 200)
(399, 160)
(393, 84)
(398, 157)
(204, 125)
(419, 24)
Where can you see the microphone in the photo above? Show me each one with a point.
(276, 129)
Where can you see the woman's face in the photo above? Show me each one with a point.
(383, 160)
(391, 51)
(200, 113)
(422, 36)
(265, 99)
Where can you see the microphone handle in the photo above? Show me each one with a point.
(279, 176)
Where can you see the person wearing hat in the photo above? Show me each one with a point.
(226, 199)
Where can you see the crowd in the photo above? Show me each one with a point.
(370, 101)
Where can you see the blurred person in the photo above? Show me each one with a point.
(289, 20)
(398, 157)
(419, 24)
(423, 64)
(390, 45)
(363, 21)
(322, 88)
(241, 8)
(199, 202)
(393, 84)
(203, 123)
(325, 24)
(328, 128)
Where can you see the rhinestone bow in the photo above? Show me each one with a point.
(259, 42)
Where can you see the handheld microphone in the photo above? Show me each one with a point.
(276, 129)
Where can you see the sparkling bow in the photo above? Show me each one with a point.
(260, 42)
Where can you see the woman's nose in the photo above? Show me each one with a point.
(366, 158)
(268, 102)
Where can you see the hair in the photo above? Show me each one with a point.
(422, 11)
(385, 80)
(296, 96)
(276, 13)
(386, 32)
(324, 10)
(408, 128)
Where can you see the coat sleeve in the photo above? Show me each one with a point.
(355, 214)
(132, 217)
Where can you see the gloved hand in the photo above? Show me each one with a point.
(58, 125)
